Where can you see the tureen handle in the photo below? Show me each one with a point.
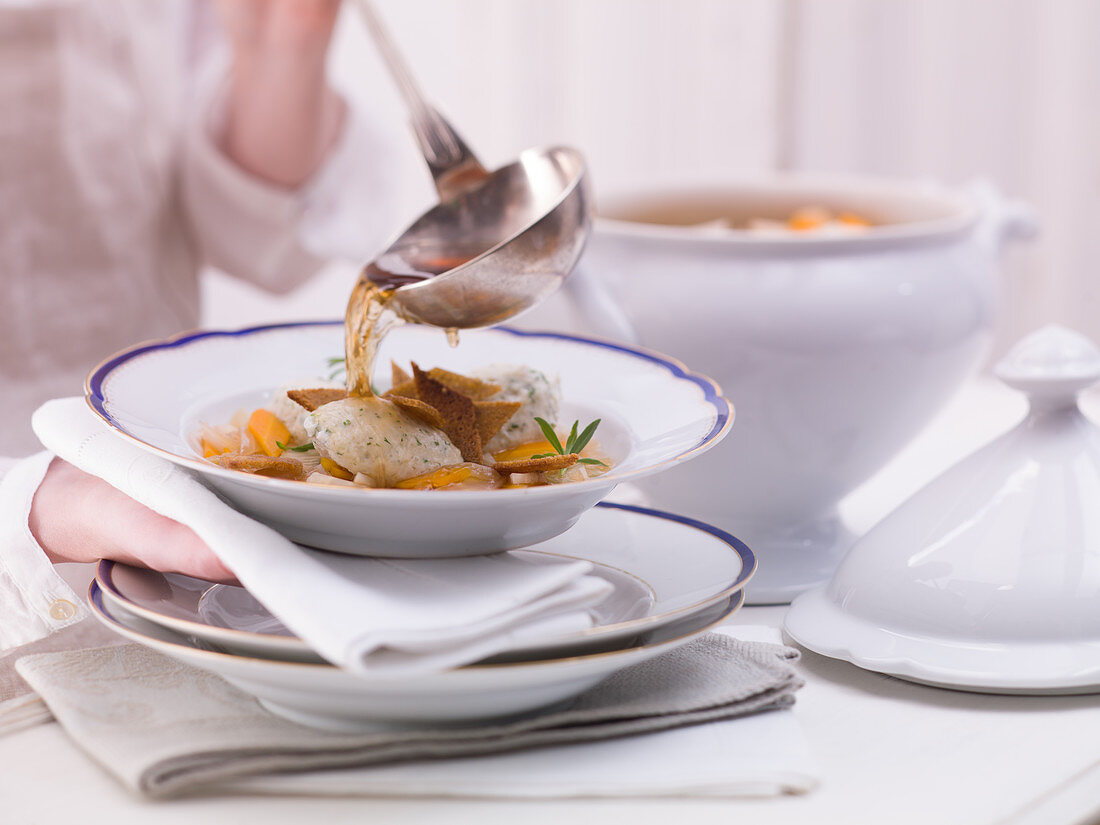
(1002, 219)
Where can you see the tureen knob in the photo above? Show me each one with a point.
(1051, 365)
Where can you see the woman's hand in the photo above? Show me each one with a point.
(282, 117)
(78, 517)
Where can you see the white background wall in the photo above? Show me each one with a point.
(665, 92)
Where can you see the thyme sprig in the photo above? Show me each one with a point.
(302, 449)
(336, 366)
(573, 444)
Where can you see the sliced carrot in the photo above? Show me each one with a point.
(209, 449)
(807, 218)
(335, 470)
(524, 451)
(434, 480)
(852, 219)
(267, 429)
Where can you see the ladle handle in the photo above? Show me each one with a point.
(452, 165)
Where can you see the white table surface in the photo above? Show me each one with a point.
(890, 752)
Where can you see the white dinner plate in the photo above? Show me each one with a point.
(325, 696)
(655, 414)
(663, 567)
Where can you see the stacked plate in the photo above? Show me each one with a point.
(671, 578)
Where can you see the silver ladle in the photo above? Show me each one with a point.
(498, 242)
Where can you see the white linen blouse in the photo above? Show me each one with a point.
(113, 195)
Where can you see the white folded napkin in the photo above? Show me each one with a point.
(673, 725)
(367, 615)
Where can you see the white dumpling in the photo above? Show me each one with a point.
(539, 395)
(292, 414)
(376, 438)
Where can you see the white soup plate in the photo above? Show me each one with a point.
(655, 414)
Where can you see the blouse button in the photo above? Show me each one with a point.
(62, 610)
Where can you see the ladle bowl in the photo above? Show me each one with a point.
(498, 242)
(496, 249)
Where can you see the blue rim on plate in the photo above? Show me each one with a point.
(712, 392)
(748, 558)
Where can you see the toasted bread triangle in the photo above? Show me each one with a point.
(264, 465)
(419, 410)
(458, 413)
(536, 465)
(473, 388)
(492, 415)
(312, 399)
(399, 376)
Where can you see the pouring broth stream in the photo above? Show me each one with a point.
(372, 311)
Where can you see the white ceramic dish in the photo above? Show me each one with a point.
(836, 350)
(655, 412)
(987, 579)
(1019, 666)
(663, 567)
(328, 697)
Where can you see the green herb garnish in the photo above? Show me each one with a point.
(573, 444)
(336, 366)
(302, 449)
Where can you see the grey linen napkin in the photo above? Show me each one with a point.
(19, 706)
(165, 728)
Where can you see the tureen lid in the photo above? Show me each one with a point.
(988, 578)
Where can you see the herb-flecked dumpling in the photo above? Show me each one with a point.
(539, 394)
(374, 437)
